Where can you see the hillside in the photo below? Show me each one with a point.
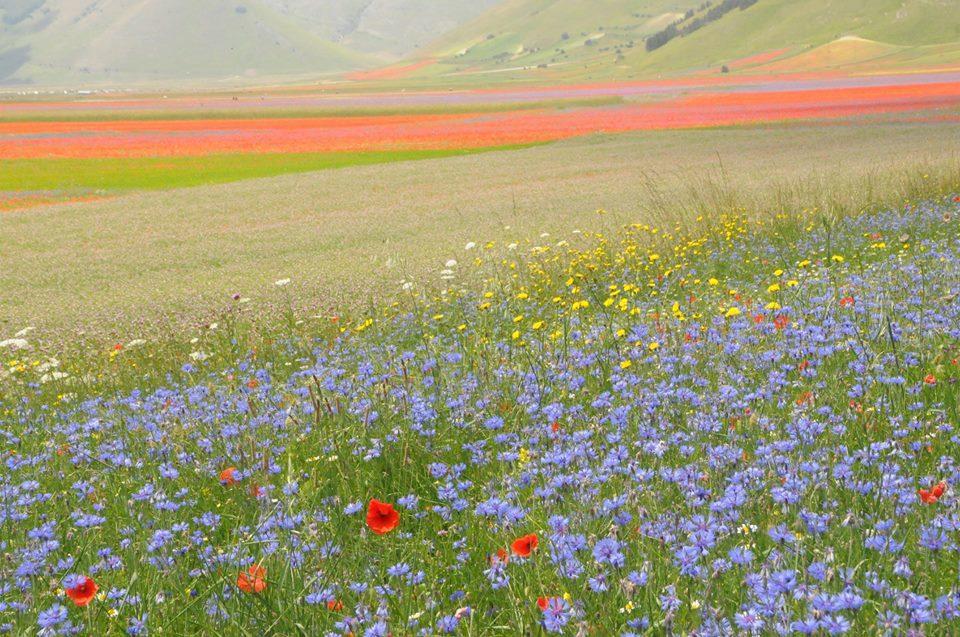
(389, 29)
(78, 42)
(554, 33)
(609, 38)
(845, 33)
(124, 42)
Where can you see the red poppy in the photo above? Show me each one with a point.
(500, 556)
(335, 605)
(84, 592)
(933, 494)
(228, 476)
(253, 580)
(382, 517)
(524, 546)
(253, 383)
(555, 426)
(543, 603)
(930, 379)
(846, 301)
(781, 321)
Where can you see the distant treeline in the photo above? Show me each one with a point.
(689, 23)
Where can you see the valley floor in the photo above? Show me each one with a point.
(124, 266)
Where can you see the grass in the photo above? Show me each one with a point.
(132, 264)
(95, 114)
(725, 421)
(152, 173)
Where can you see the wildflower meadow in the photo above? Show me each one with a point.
(743, 425)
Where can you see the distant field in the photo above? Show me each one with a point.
(345, 236)
(279, 105)
(764, 102)
(333, 199)
(94, 148)
(78, 175)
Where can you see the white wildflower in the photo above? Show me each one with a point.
(15, 343)
(51, 376)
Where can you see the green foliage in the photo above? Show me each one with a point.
(109, 175)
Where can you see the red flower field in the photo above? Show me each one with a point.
(704, 107)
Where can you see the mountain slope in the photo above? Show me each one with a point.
(128, 41)
(387, 28)
(608, 38)
(797, 27)
(534, 32)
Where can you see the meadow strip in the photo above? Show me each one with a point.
(456, 131)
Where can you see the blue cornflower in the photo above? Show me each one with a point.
(836, 624)
(447, 625)
(52, 617)
(749, 620)
(379, 629)
(608, 551)
(137, 626)
(782, 535)
(556, 615)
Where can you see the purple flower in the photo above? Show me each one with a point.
(556, 615)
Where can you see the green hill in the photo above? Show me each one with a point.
(123, 42)
(80, 42)
(389, 29)
(610, 38)
(555, 32)
(881, 33)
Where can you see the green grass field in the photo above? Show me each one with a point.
(113, 175)
(145, 261)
